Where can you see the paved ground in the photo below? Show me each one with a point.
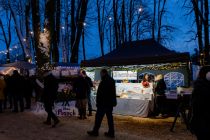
(28, 126)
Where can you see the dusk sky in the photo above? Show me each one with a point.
(176, 17)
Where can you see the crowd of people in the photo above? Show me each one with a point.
(15, 92)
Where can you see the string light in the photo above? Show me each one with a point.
(10, 49)
(140, 9)
(84, 24)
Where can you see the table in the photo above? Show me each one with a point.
(134, 107)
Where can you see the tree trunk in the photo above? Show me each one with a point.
(123, 23)
(206, 32)
(130, 20)
(36, 28)
(56, 37)
(153, 22)
(80, 26)
(115, 23)
(50, 27)
(27, 24)
(100, 25)
(73, 26)
(83, 44)
(199, 28)
(160, 17)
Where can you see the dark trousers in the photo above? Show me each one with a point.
(18, 99)
(28, 101)
(101, 111)
(89, 103)
(8, 97)
(160, 104)
(50, 114)
(1, 107)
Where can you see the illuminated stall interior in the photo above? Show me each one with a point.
(129, 62)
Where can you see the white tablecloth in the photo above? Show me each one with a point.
(133, 107)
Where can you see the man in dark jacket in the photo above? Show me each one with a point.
(105, 101)
(49, 97)
(81, 89)
(90, 85)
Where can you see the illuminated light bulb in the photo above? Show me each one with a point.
(140, 9)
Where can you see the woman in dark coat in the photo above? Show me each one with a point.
(200, 121)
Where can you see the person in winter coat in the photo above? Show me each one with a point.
(2, 97)
(49, 96)
(90, 85)
(105, 101)
(159, 92)
(81, 90)
(17, 90)
(28, 91)
(200, 120)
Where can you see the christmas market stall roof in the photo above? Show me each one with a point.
(20, 65)
(138, 53)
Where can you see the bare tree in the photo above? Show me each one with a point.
(201, 13)
(7, 36)
(18, 30)
(79, 25)
(116, 31)
(37, 30)
(100, 4)
(154, 17)
(56, 35)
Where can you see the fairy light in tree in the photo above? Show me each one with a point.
(24, 39)
(140, 9)
(110, 18)
(63, 27)
(84, 24)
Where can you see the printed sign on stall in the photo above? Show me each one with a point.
(66, 111)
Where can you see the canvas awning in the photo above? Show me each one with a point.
(20, 65)
(138, 53)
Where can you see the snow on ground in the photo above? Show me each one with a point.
(28, 126)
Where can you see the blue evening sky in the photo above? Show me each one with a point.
(176, 18)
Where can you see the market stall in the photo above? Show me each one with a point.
(65, 74)
(129, 62)
(21, 66)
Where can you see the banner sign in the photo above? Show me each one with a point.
(125, 75)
